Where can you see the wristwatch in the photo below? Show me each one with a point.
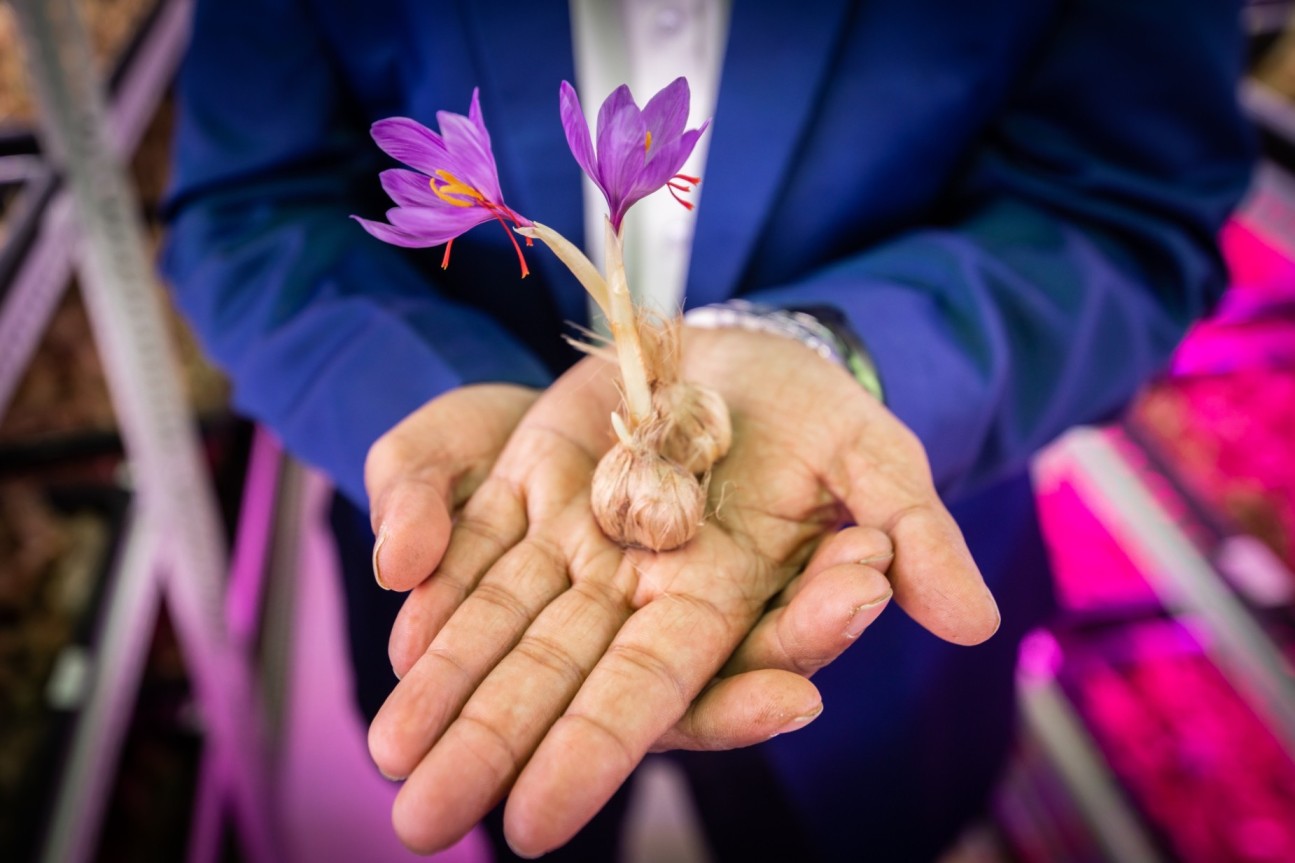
(823, 329)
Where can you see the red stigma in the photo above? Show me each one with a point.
(689, 184)
(504, 215)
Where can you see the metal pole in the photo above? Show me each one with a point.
(173, 490)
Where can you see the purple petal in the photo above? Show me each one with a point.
(621, 139)
(476, 117)
(394, 236)
(668, 161)
(437, 224)
(471, 159)
(667, 112)
(410, 142)
(408, 188)
(577, 130)
(478, 120)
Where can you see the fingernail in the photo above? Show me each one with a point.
(799, 722)
(377, 547)
(391, 778)
(520, 854)
(877, 558)
(863, 615)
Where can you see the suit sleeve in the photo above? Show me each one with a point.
(1080, 243)
(329, 336)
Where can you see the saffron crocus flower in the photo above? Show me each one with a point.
(639, 151)
(454, 185)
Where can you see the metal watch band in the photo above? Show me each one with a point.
(823, 329)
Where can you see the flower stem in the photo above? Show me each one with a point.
(576, 261)
(625, 332)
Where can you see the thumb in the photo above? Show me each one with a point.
(421, 470)
(886, 483)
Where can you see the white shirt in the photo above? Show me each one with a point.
(647, 44)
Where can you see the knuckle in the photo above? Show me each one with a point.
(551, 655)
(794, 652)
(612, 602)
(638, 661)
(449, 660)
(909, 513)
(495, 594)
(487, 743)
(608, 732)
(548, 554)
(481, 529)
(700, 605)
(447, 585)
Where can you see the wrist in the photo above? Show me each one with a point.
(822, 329)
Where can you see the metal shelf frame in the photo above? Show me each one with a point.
(1184, 578)
(28, 301)
(174, 549)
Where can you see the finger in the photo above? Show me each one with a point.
(544, 466)
(935, 579)
(743, 710)
(414, 529)
(645, 682)
(826, 616)
(484, 628)
(418, 471)
(492, 521)
(824, 609)
(853, 544)
(471, 767)
(548, 459)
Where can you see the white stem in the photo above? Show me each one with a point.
(575, 260)
(622, 433)
(625, 332)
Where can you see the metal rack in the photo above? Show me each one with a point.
(1185, 579)
(1226, 584)
(173, 552)
(1105, 469)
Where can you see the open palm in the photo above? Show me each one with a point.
(540, 656)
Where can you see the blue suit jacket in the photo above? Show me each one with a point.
(1014, 202)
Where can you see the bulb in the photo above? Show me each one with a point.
(641, 499)
(691, 426)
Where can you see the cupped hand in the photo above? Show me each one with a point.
(539, 656)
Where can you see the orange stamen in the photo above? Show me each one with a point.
(647, 144)
(453, 190)
(457, 193)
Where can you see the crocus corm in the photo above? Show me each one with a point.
(638, 151)
(454, 185)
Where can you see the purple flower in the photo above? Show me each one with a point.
(454, 185)
(638, 151)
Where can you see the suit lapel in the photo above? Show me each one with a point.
(776, 62)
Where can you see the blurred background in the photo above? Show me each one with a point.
(149, 717)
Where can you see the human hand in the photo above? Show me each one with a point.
(425, 467)
(542, 656)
